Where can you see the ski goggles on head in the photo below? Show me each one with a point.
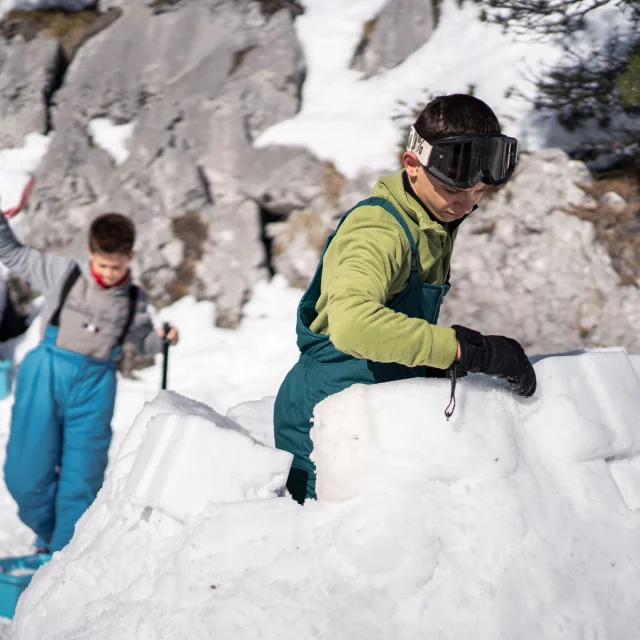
(464, 160)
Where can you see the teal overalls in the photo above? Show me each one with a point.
(61, 430)
(323, 370)
(60, 436)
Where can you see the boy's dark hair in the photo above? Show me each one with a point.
(112, 233)
(455, 114)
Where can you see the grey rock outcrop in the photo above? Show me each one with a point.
(27, 75)
(35, 50)
(524, 267)
(305, 218)
(63, 5)
(298, 244)
(401, 28)
(200, 81)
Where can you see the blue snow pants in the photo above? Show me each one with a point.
(60, 436)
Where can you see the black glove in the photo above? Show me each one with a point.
(496, 356)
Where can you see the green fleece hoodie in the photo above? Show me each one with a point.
(367, 265)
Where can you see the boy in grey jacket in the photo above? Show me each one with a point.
(65, 390)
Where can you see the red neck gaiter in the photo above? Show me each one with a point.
(102, 285)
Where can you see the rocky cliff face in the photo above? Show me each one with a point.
(527, 267)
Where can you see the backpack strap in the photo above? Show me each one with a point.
(133, 303)
(74, 274)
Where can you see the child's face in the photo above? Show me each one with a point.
(445, 203)
(110, 267)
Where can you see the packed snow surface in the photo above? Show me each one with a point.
(516, 518)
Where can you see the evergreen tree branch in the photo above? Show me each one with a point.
(549, 17)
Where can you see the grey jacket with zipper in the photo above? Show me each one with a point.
(87, 304)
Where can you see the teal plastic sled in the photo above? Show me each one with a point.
(15, 576)
(5, 378)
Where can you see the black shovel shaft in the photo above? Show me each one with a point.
(165, 355)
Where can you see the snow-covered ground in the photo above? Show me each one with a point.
(514, 519)
(16, 166)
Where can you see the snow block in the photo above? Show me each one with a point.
(589, 405)
(256, 416)
(186, 462)
(365, 442)
(585, 410)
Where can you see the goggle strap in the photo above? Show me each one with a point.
(418, 145)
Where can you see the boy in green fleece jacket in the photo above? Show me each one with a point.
(370, 312)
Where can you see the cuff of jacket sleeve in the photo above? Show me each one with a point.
(444, 347)
(152, 344)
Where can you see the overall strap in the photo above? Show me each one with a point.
(133, 302)
(74, 274)
(414, 277)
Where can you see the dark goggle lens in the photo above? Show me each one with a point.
(465, 162)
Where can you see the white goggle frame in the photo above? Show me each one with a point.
(418, 145)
